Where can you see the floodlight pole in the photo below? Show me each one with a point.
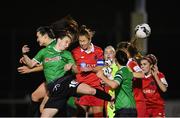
(138, 16)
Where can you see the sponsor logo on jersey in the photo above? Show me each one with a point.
(148, 91)
(53, 59)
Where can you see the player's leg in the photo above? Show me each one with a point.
(49, 112)
(39, 93)
(36, 98)
(97, 111)
(88, 90)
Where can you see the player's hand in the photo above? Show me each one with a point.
(100, 73)
(25, 49)
(154, 70)
(68, 67)
(112, 98)
(22, 61)
(24, 70)
(102, 82)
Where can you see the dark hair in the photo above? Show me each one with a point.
(123, 44)
(129, 47)
(46, 30)
(121, 57)
(66, 26)
(83, 30)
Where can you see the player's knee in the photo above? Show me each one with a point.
(34, 97)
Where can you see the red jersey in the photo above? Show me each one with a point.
(90, 59)
(133, 65)
(137, 82)
(151, 91)
(137, 89)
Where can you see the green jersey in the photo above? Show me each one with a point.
(52, 44)
(124, 93)
(53, 62)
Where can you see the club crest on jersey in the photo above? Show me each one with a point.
(83, 64)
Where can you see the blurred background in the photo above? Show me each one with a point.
(113, 22)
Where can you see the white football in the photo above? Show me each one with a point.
(142, 31)
(107, 72)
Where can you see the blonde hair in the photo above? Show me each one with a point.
(111, 47)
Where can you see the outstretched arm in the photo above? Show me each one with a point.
(113, 84)
(26, 69)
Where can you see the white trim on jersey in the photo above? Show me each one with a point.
(163, 80)
(37, 61)
(89, 51)
(117, 82)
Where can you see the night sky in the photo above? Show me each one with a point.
(19, 21)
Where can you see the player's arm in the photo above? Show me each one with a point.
(99, 66)
(29, 62)
(100, 61)
(113, 84)
(75, 69)
(71, 64)
(26, 69)
(138, 74)
(161, 85)
(137, 71)
(21, 60)
(37, 68)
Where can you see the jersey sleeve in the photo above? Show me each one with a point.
(100, 57)
(70, 58)
(134, 66)
(39, 56)
(99, 54)
(162, 78)
(75, 53)
(118, 78)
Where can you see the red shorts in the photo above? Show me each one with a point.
(141, 108)
(155, 112)
(88, 100)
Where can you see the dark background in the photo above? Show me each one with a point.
(19, 20)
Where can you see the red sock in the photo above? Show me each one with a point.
(99, 114)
